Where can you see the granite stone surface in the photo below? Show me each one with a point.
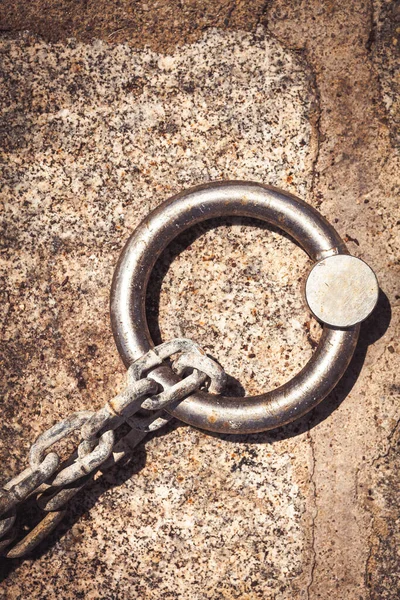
(95, 136)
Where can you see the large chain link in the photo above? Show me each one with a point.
(54, 482)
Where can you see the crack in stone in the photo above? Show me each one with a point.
(313, 517)
(371, 46)
(371, 544)
(374, 45)
(369, 556)
(389, 442)
(371, 40)
(263, 15)
(315, 121)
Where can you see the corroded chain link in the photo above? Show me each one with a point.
(140, 405)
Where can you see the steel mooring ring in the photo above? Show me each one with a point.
(334, 271)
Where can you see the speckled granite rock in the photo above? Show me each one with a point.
(95, 137)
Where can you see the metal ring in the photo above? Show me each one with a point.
(128, 313)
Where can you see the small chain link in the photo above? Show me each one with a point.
(54, 484)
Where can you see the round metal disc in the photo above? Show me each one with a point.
(341, 290)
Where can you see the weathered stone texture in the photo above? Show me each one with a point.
(96, 133)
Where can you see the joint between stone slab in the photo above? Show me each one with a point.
(371, 543)
(313, 517)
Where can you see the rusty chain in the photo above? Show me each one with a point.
(54, 482)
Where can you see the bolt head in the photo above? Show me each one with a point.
(341, 290)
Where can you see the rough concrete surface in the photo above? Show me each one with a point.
(106, 111)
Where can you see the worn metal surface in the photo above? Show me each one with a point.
(19, 487)
(37, 535)
(341, 290)
(128, 312)
(93, 452)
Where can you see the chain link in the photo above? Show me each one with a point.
(140, 405)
